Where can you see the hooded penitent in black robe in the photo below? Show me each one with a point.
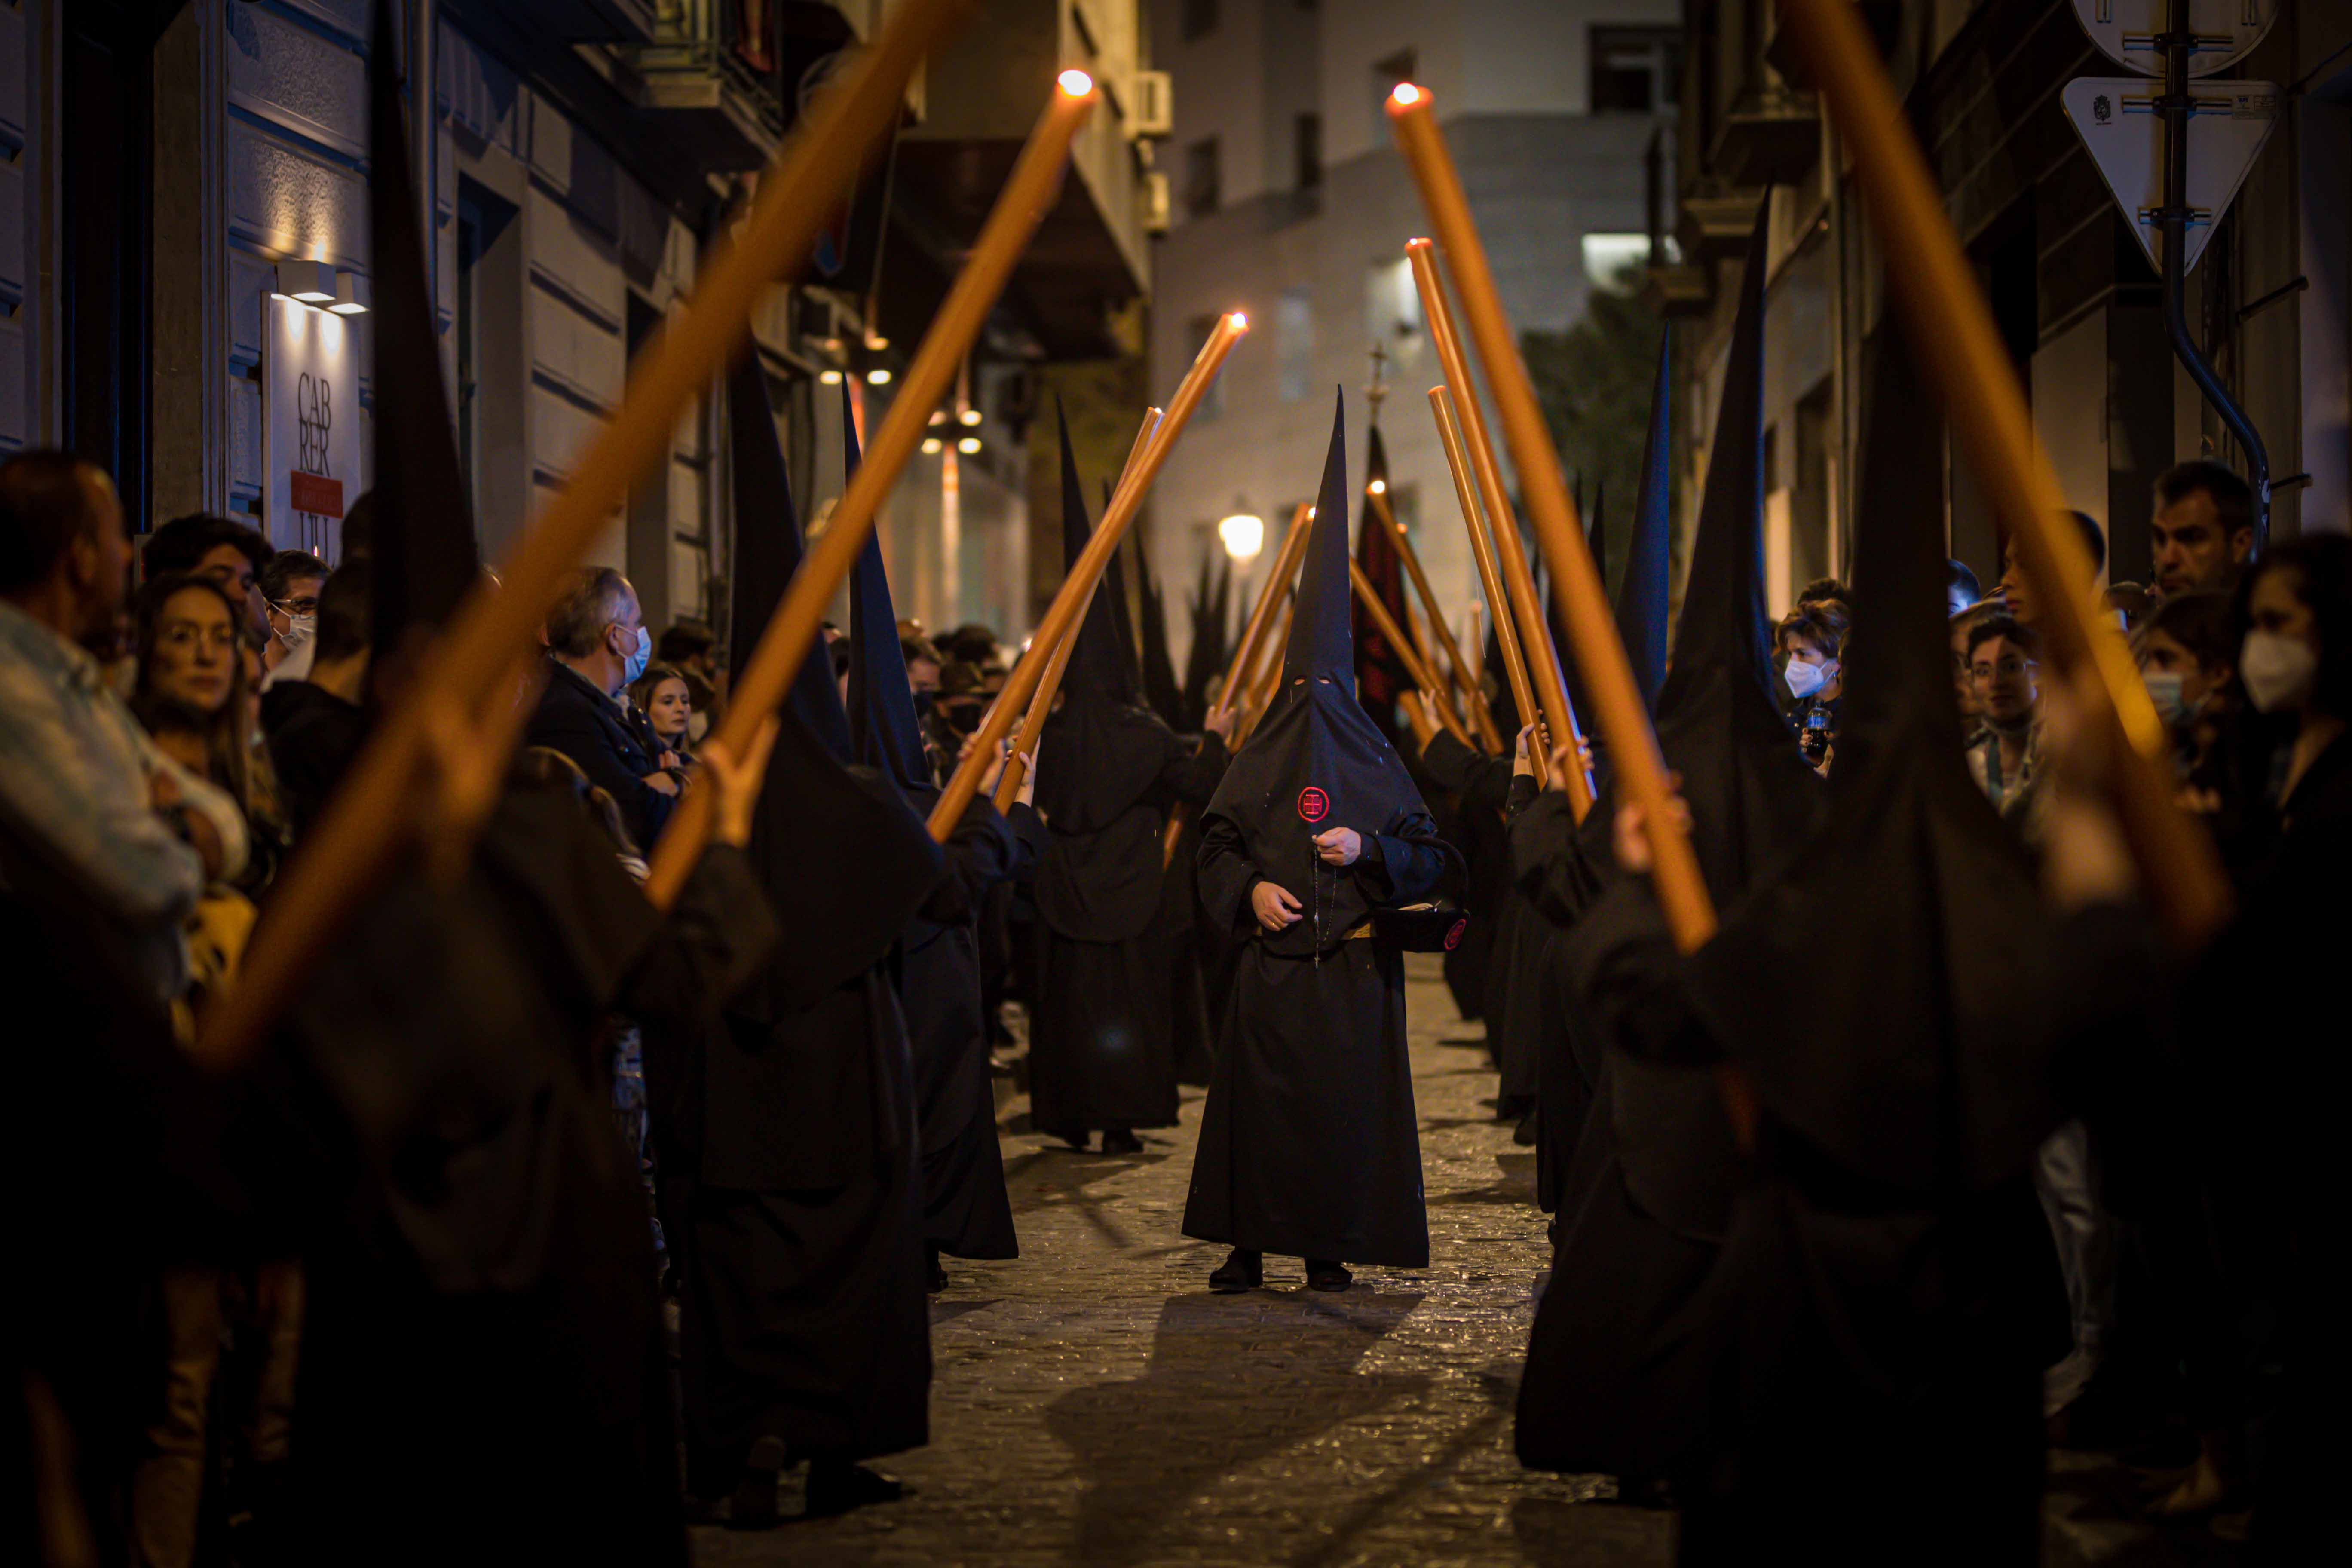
(1649, 1175)
(1887, 1291)
(789, 1144)
(1309, 1145)
(482, 1340)
(966, 1211)
(1102, 1047)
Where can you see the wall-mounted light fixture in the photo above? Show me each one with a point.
(311, 282)
(347, 296)
(969, 417)
(828, 378)
(931, 445)
(968, 446)
(878, 376)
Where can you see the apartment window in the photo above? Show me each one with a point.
(1294, 344)
(1392, 311)
(1403, 66)
(1634, 69)
(1199, 18)
(1307, 145)
(1200, 177)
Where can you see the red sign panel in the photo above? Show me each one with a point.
(315, 493)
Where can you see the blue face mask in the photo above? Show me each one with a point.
(636, 662)
(2164, 693)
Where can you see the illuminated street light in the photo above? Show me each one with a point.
(1244, 534)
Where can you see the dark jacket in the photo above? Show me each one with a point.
(593, 730)
(313, 735)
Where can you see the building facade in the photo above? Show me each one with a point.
(1288, 200)
(2079, 308)
(172, 170)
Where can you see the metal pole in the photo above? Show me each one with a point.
(2177, 106)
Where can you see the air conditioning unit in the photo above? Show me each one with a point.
(1155, 105)
(1155, 202)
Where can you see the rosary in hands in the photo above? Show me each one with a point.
(1338, 845)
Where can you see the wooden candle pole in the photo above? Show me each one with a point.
(1416, 666)
(791, 630)
(1946, 317)
(358, 838)
(1064, 609)
(1640, 772)
(1489, 739)
(1482, 550)
(1416, 715)
(1008, 785)
(1261, 616)
(1510, 556)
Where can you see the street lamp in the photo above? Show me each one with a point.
(1244, 534)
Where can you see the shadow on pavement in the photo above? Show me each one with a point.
(1232, 1380)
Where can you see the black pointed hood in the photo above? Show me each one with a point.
(1161, 690)
(1320, 641)
(1317, 761)
(424, 557)
(1103, 663)
(883, 725)
(1642, 584)
(1718, 714)
(1381, 676)
(1921, 1063)
(1204, 660)
(843, 861)
(1099, 757)
(768, 551)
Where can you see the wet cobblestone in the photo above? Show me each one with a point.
(1094, 1404)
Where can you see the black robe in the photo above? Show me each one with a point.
(1480, 786)
(966, 1210)
(1309, 1144)
(1102, 1042)
(480, 1322)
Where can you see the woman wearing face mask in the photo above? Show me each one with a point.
(1809, 639)
(2266, 1076)
(664, 697)
(2186, 649)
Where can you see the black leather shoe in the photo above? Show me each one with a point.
(1120, 1140)
(1242, 1270)
(836, 1486)
(753, 1506)
(1322, 1274)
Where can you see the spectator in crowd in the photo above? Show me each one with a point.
(1960, 587)
(1964, 684)
(597, 644)
(143, 832)
(2002, 666)
(924, 663)
(665, 695)
(191, 648)
(2024, 608)
(289, 589)
(1821, 588)
(1810, 641)
(315, 724)
(230, 552)
(693, 650)
(2187, 654)
(970, 643)
(2202, 528)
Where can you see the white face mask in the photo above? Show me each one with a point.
(1804, 679)
(2164, 692)
(299, 629)
(2277, 669)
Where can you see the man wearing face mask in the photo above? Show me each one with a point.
(1810, 640)
(597, 644)
(290, 587)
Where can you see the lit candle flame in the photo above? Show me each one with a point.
(1076, 83)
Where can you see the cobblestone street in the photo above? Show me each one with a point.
(1095, 1404)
